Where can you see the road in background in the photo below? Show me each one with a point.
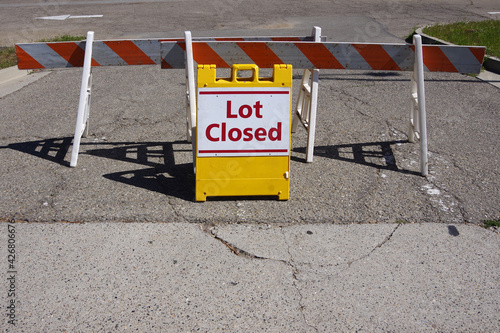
(365, 20)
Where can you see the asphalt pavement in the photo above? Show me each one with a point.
(137, 166)
(365, 243)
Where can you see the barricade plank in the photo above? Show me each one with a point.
(114, 52)
(327, 55)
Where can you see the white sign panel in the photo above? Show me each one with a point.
(243, 121)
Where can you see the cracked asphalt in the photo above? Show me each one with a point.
(365, 244)
(137, 166)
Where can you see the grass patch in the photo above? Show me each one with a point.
(63, 38)
(491, 223)
(8, 54)
(8, 57)
(482, 33)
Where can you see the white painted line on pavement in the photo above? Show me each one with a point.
(57, 18)
(64, 17)
(84, 16)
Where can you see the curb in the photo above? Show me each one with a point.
(13, 79)
(490, 63)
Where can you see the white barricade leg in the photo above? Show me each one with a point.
(424, 164)
(305, 111)
(84, 103)
(312, 115)
(303, 102)
(412, 128)
(307, 102)
(316, 32)
(418, 116)
(190, 86)
(87, 106)
(190, 95)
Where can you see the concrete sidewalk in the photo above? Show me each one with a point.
(13, 79)
(184, 277)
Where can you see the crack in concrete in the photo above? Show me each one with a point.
(245, 254)
(349, 263)
(233, 248)
(295, 272)
(209, 229)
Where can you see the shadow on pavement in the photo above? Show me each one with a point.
(373, 154)
(53, 150)
(162, 174)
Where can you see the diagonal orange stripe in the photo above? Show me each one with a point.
(435, 60)
(260, 53)
(25, 61)
(71, 52)
(165, 64)
(182, 45)
(129, 52)
(478, 52)
(203, 54)
(319, 55)
(376, 57)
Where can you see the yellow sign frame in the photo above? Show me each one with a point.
(231, 176)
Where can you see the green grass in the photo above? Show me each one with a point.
(63, 38)
(491, 223)
(482, 33)
(8, 57)
(8, 54)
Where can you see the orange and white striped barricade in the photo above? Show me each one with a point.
(264, 52)
(331, 55)
(112, 53)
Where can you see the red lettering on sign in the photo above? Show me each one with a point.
(257, 107)
(209, 134)
(242, 113)
(245, 111)
(247, 134)
(228, 112)
(275, 133)
(260, 134)
(232, 136)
